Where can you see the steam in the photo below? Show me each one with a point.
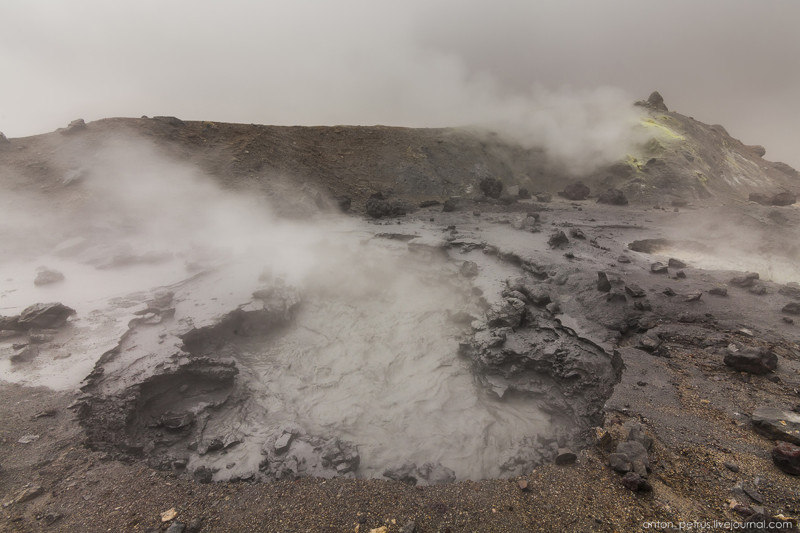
(371, 356)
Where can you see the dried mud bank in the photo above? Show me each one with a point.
(190, 394)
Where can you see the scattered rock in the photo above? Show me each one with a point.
(694, 296)
(786, 456)
(544, 197)
(523, 485)
(783, 198)
(558, 239)
(378, 206)
(623, 259)
(612, 197)
(176, 527)
(658, 268)
(575, 191)
(758, 289)
(26, 354)
(603, 284)
(28, 493)
(407, 473)
(635, 290)
(491, 187)
(469, 269)
(792, 290)
(730, 466)
(792, 308)
(172, 121)
(508, 313)
(635, 451)
(47, 277)
(777, 424)
(744, 281)
(619, 462)
(757, 149)
(4, 140)
(524, 194)
(43, 316)
(169, 514)
(450, 205)
(203, 474)
(409, 527)
(752, 360)
(636, 483)
(565, 456)
(75, 126)
(718, 291)
(282, 443)
(675, 263)
(616, 295)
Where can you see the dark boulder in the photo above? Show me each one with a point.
(636, 483)
(752, 360)
(544, 197)
(491, 187)
(344, 203)
(558, 239)
(44, 316)
(575, 191)
(75, 126)
(603, 283)
(783, 198)
(792, 308)
(450, 205)
(379, 206)
(47, 277)
(777, 424)
(658, 268)
(524, 194)
(612, 197)
(757, 149)
(786, 456)
(791, 289)
(744, 281)
(656, 101)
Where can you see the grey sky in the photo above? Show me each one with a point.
(412, 63)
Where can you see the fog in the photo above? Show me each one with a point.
(370, 357)
(438, 63)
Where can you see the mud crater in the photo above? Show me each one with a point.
(412, 373)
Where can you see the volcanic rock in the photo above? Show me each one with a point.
(757, 149)
(786, 456)
(47, 277)
(658, 268)
(718, 291)
(558, 239)
(791, 290)
(612, 197)
(656, 101)
(792, 308)
(524, 194)
(436, 474)
(635, 451)
(544, 197)
(491, 187)
(406, 473)
(75, 126)
(620, 462)
(565, 456)
(675, 263)
(378, 206)
(469, 269)
(777, 424)
(603, 284)
(508, 313)
(636, 483)
(575, 191)
(783, 198)
(4, 140)
(44, 316)
(744, 281)
(450, 205)
(634, 290)
(752, 360)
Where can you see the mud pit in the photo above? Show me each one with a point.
(385, 360)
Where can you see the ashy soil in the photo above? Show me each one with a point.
(490, 364)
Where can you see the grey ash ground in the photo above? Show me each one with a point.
(666, 369)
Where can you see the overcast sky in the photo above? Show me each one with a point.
(409, 63)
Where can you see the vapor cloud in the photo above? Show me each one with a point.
(414, 63)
